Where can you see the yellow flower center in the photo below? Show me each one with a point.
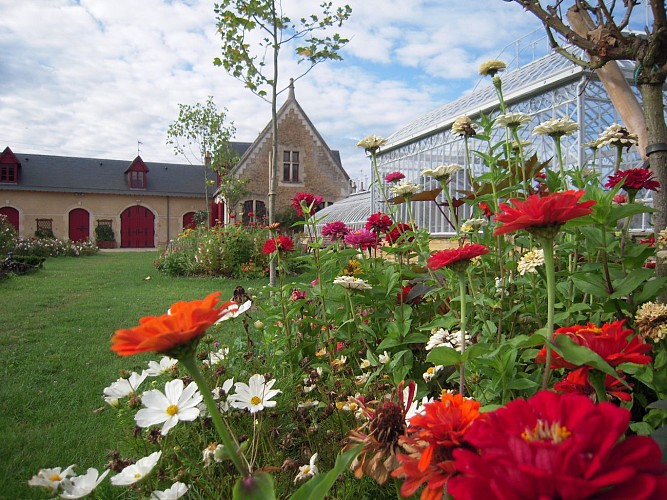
(172, 410)
(56, 477)
(430, 370)
(255, 400)
(306, 469)
(543, 431)
(137, 475)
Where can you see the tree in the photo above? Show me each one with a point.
(238, 21)
(231, 189)
(201, 129)
(600, 29)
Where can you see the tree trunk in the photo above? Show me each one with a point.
(273, 167)
(654, 113)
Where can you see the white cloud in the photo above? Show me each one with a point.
(92, 78)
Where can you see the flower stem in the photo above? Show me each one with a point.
(561, 168)
(549, 267)
(240, 463)
(462, 289)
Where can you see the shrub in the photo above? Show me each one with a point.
(7, 236)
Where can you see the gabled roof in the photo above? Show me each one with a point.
(137, 165)
(8, 156)
(95, 175)
(291, 101)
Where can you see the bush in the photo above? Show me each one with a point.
(7, 236)
(104, 232)
(53, 247)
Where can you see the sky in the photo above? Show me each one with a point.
(95, 78)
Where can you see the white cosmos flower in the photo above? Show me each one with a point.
(217, 357)
(168, 408)
(431, 372)
(255, 395)
(165, 365)
(417, 408)
(51, 478)
(123, 387)
(364, 364)
(136, 472)
(80, 486)
(306, 471)
(384, 358)
(176, 491)
(234, 310)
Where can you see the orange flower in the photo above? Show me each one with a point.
(184, 323)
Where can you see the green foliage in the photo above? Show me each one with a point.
(8, 236)
(104, 232)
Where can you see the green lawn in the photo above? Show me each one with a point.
(55, 326)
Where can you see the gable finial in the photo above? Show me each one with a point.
(139, 143)
(291, 89)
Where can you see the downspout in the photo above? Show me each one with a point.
(168, 223)
(580, 120)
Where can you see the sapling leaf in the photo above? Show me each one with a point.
(445, 356)
(579, 355)
(259, 486)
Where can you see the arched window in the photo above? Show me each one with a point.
(254, 211)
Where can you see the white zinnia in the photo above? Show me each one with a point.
(431, 372)
(530, 261)
(255, 395)
(176, 491)
(123, 387)
(556, 127)
(442, 171)
(306, 471)
(352, 283)
(80, 486)
(405, 189)
(51, 478)
(136, 472)
(442, 337)
(175, 404)
(512, 120)
(165, 365)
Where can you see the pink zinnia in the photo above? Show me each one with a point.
(335, 230)
(394, 177)
(362, 239)
(306, 202)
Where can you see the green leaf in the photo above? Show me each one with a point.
(580, 356)
(660, 405)
(445, 356)
(259, 486)
(628, 284)
(318, 487)
(522, 384)
(590, 283)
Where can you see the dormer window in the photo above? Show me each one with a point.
(9, 167)
(136, 174)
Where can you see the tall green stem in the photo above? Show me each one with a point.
(240, 463)
(462, 290)
(549, 267)
(559, 153)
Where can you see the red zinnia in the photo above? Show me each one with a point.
(404, 297)
(577, 382)
(396, 234)
(536, 212)
(335, 230)
(281, 244)
(633, 179)
(484, 207)
(379, 223)
(557, 446)
(306, 202)
(433, 435)
(184, 323)
(451, 256)
(394, 177)
(612, 342)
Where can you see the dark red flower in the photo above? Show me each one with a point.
(379, 223)
(451, 256)
(650, 241)
(335, 230)
(362, 239)
(404, 297)
(431, 438)
(633, 179)
(619, 199)
(612, 342)
(557, 446)
(396, 233)
(537, 212)
(577, 382)
(282, 244)
(394, 177)
(306, 203)
(297, 295)
(251, 214)
(484, 207)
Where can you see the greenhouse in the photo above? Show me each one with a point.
(546, 88)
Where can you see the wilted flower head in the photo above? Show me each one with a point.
(556, 127)
(616, 135)
(394, 177)
(463, 126)
(512, 120)
(405, 189)
(530, 261)
(651, 321)
(137, 471)
(490, 68)
(371, 143)
(177, 490)
(352, 283)
(442, 172)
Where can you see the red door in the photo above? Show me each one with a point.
(189, 220)
(79, 225)
(12, 216)
(137, 228)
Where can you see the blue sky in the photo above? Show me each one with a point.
(93, 77)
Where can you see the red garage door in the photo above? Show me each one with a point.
(137, 228)
(12, 216)
(79, 225)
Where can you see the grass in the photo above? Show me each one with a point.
(55, 326)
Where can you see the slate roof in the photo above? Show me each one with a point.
(96, 175)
